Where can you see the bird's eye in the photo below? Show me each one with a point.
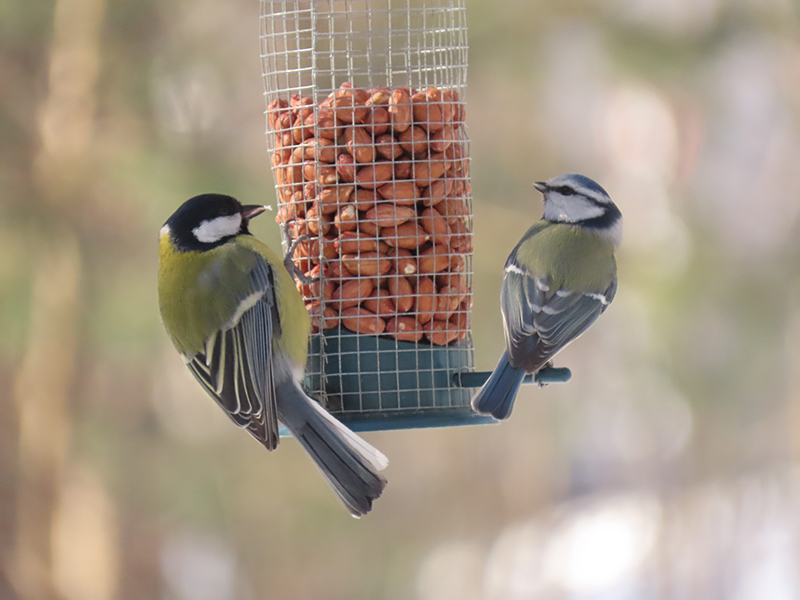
(565, 190)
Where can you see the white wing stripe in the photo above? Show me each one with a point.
(599, 297)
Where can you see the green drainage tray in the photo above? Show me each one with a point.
(376, 383)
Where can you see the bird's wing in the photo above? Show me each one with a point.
(236, 367)
(539, 322)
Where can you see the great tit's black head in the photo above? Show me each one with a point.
(208, 220)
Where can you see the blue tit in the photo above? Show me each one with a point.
(558, 279)
(232, 310)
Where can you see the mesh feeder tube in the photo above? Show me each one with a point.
(370, 157)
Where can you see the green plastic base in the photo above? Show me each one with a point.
(374, 383)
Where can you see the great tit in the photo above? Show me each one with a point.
(558, 279)
(232, 310)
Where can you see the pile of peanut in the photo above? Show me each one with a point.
(377, 180)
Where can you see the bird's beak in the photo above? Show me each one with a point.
(253, 210)
(541, 186)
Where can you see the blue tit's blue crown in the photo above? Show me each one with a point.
(192, 214)
(581, 184)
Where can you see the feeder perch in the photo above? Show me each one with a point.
(367, 138)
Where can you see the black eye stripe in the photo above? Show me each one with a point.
(564, 190)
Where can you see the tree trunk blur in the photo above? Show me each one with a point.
(44, 384)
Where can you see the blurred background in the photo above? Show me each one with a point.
(669, 467)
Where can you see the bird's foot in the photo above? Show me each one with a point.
(293, 269)
(542, 376)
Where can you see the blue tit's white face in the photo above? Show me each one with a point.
(576, 199)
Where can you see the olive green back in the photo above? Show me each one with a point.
(199, 292)
(570, 256)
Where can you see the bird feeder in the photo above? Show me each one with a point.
(370, 156)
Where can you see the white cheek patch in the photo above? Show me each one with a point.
(570, 209)
(213, 230)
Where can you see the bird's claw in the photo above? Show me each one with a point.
(548, 365)
(293, 269)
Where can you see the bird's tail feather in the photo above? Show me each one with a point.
(349, 464)
(496, 397)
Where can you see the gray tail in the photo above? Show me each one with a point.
(349, 464)
(496, 397)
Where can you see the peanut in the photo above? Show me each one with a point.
(380, 303)
(459, 322)
(447, 301)
(414, 140)
(439, 332)
(450, 97)
(403, 262)
(367, 264)
(456, 262)
(293, 174)
(351, 293)
(379, 97)
(401, 192)
(429, 169)
(454, 209)
(321, 319)
(428, 109)
(406, 329)
(388, 214)
(348, 107)
(322, 248)
(423, 299)
(301, 257)
(319, 289)
(461, 241)
(305, 288)
(369, 228)
(360, 320)
(316, 222)
(274, 111)
(442, 139)
(402, 292)
(345, 167)
(375, 175)
(366, 199)
(387, 147)
(327, 125)
(299, 131)
(436, 225)
(377, 121)
(331, 197)
(297, 228)
(452, 280)
(359, 144)
(346, 218)
(434, 259)
(350, 242)
(336, 271)
(310, 190)
(400, 110)
(320, 149)
(407, 235)
(403, 169)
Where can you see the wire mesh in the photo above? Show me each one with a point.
(367, 139)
